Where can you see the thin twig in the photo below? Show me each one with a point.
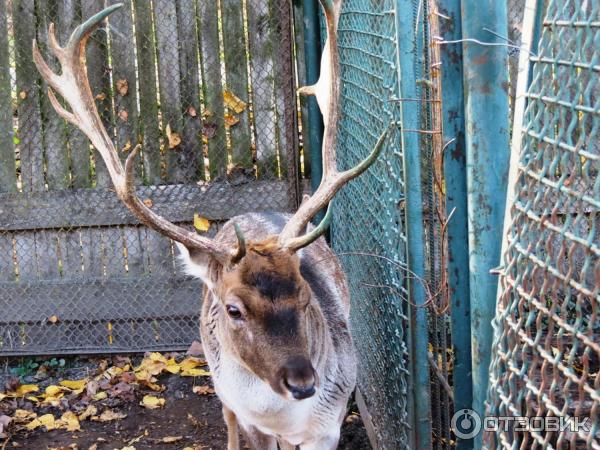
(439, 374)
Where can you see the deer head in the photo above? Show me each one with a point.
(264, 301)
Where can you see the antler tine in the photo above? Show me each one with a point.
(73, 85)
(327, 92)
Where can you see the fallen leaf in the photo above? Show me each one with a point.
(101, 96)
(69, 422)
(123, 115)
(201, 223)
(100, 396)
(151, 402)
(2, 396)
(4, 423)
(203, 390)
(233, 102)
(148, 202)
(89, 412)
(53, 319)
(207, 113)
(129, 447)
(122, 87)
(93, 447)
(23, 95)
(230, 120)
(126, 147)
(195, 373)
(74, 385)
(23, 390)
(109, 415)
(192, 111)
(22, 415)
(47, 421)
(174, 138)
(171, 439)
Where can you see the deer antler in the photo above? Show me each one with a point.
(327, 92)
(73, 85)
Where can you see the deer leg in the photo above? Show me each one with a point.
(257, 440)
(233, 436)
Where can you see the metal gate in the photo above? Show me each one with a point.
(208, 89)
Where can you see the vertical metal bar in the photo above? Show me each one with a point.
(312, 49)
(485, 84)
(409, 115)
(455, 174)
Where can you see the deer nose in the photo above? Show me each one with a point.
(299, 378)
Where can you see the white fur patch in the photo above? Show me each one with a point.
(191, 267)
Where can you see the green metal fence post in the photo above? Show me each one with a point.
(407, 42)
(455, 174)
(487, 142)
(312, 49)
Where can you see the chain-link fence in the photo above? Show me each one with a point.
(546, 357)
(207, 88)
(370, 226)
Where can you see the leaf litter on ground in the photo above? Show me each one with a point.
(64, 405)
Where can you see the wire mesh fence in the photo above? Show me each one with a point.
(546, 358)
(369, 227)
(208, 90)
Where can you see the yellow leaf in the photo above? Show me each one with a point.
(69, 422)
(23, 390)
(195, 373)
(53, 319)
(201, 223)
(74, 385)
(171, 439)
(155, 356)
(148, 202)
(230, 120)
(174, 138)
(151, 402)
(123, 115)
(21, 415)
(100, 396)
(129, 447)
(192, 363)
(33, 399)
(33, 425)
(3, 396)
(203, 390)
(53, 391)
(90, 411)
(192, 111)
(101, 96)
(233, 102)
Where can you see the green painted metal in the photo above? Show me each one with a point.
(312, 50)
(455, 175)
(407, 39)
(485, 78)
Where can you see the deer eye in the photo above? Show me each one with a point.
(234, 312)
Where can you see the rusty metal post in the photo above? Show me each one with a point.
(485, 83)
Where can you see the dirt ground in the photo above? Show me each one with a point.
(187, 421)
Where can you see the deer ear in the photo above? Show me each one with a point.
(195, 263)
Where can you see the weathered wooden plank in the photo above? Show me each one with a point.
(134, 242)
(149, 126)
(98, 74)
(99, 299)
(101, 207)
(114, 252)
(8, 173)
(212, 84)
(167, 42)
(54, 127)
(7, 267)
(285, 95)
(94, 260)
(122, 51)
(236, 74)
(160, 254)
(25, 255)
(262, 75)
(28, 109)
(191, 160)
(46, 246)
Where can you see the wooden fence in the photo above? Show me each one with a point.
(208, 89)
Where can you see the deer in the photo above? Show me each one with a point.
(274, 321)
